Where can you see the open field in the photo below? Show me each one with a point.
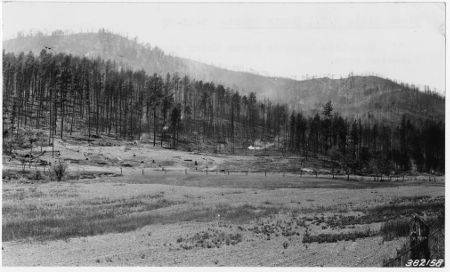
(318, 141)
(162, 211)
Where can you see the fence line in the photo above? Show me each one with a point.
(393, 178)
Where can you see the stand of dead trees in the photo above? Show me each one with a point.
(64, 94)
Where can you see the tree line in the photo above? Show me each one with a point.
(66, 94)
(365, 147)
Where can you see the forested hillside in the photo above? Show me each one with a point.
(65, 94)
(367, 97)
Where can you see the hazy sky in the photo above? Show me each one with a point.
(405, 42)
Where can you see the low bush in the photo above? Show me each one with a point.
(58, 170)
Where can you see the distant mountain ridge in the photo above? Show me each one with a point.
(366, 97)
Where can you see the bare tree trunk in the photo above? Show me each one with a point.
(154, 126)
(62, 117)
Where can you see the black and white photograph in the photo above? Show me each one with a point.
(223, 134)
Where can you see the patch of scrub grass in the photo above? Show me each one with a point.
(210, 239)
(335, 237)
(91, 217)
(33, 176)
(63, 193)
(22, 193)
(286, 227)
(98, 216)
(16, 175)
(232, 214)
(64, 228)
(407, 208)
(395, 228)
(413, 199)
(387, 212)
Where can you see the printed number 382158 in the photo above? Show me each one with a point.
(424, 263)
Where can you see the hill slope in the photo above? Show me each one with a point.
(368, 97)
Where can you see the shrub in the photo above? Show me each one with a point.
(59, 170)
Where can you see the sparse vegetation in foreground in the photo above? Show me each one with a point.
(243, 207)
(335, 237)
(78, 218)
(388, 212)
(98, 216)
(210, 239)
